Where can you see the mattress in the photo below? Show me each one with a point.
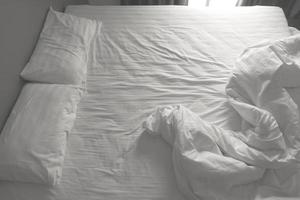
(146, 57)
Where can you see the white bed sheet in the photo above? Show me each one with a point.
(145, 57)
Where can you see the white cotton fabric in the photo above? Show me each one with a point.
(294, 30)
(61, 54)
(148, 56)
(212, 163)
(33, 140)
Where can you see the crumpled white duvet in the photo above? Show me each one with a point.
(261, 161)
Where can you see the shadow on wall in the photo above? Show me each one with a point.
(296, 11)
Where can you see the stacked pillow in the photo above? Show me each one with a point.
(33, 140)
(61, 53)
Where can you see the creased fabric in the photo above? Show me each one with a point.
(262, 159)
(144, 58)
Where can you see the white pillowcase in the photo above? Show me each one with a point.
(32, 143)
(61, 54)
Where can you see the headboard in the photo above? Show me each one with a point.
(21, 23)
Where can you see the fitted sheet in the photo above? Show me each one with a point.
(145, 57)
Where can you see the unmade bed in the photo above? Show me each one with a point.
(142, 58)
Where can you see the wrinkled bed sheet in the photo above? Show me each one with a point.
(145, 57)
(263, 158)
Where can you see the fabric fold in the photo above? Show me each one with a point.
(214, 163)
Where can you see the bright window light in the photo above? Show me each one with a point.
(197, 3)
(222, 3)
(212, 3)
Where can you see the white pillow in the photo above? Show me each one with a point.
(33, 140)
(61, 54)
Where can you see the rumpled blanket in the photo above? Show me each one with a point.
(261, 160)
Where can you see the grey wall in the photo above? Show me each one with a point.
(20, 24)
(296, 8)
(105, 2)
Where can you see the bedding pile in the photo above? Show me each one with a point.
(144, 57)
(260, 160)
